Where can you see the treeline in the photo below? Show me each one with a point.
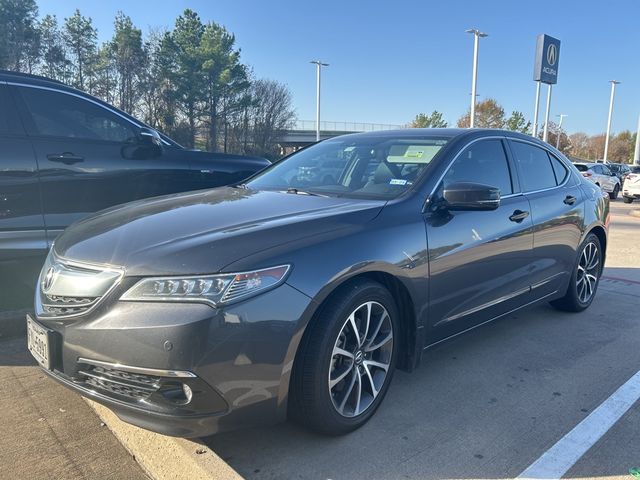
(189, 81)
(490, 114)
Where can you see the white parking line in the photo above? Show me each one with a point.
(555, 462)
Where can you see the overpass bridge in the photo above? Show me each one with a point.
(304, 131)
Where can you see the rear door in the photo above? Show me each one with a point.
(79, 145)
(22, 232)
(479, 261)
(557, 211)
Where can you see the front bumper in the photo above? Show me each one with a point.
(238, 360)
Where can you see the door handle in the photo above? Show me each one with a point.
(67, 158)
(569, 200)
(518, 216)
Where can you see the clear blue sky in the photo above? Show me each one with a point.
(393, 59)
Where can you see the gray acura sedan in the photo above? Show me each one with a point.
(297, 295)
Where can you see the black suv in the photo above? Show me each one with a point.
(65, 154)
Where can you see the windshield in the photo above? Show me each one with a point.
(366, 167)
(635, 169)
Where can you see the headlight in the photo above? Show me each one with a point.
(212, 289)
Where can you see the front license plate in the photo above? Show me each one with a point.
(38, 343)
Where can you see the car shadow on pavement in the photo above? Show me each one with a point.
(14, 353)
(485, 405)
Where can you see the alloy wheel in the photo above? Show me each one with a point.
(588, 270)
(360, 359)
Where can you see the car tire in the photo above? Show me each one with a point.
(616, 190)
(627, 199)
(585, 277)
(339, 379)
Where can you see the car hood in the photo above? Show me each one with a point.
(202, 232)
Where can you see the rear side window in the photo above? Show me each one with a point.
(10, 124)
(581, 168)
(61, 115)
(536, 171)
(559, 169)
(482, 162)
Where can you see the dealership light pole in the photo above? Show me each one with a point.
(606, 140)
(545, 131)
(636, 153)
(477, 35)
(319, 66)
(562, 115)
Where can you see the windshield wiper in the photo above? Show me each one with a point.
(297, 191)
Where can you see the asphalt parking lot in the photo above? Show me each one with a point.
(486, 405)
(490, 403)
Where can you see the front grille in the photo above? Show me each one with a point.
(128, 386)
(64, 305)
(68, 289)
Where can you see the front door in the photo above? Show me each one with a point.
(479, 260)
(81, 148)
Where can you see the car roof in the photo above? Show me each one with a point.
(450, 133)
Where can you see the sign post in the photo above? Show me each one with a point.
(545, 70)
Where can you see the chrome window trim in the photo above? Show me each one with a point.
(86, 266)
(82, 97)
(154, 372)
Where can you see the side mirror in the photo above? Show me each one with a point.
(471, 196)
(146, 144)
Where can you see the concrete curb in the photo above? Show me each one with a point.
(163, 457)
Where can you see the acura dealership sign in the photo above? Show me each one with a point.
(545, 68)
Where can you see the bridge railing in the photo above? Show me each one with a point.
(329, 126)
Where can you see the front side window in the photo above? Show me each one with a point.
(536, 172)
(366, 167)
(483, 162)
(58, 114)
(606, 171)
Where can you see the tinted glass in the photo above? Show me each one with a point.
(482, 162)
(367, 167)
(61, 115)
(581, 168)
(559, 169)
(9, 121)
(635, 169)
(536, 172)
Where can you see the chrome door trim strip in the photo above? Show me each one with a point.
(450, 337)
(492, 303)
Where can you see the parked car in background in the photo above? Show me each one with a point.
(65, 154)
(602, 176)
(631, 188)
(290, 295)
(620, 170)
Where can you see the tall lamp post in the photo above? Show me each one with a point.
(477, 35)
(606, 140)
(562, 115)
(319, 66)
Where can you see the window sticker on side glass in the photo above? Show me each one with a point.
(412, 153)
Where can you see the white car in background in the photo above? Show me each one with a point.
(631, 189)
(602, 176)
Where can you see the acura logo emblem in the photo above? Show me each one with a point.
(47, 281)
(552, 54)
